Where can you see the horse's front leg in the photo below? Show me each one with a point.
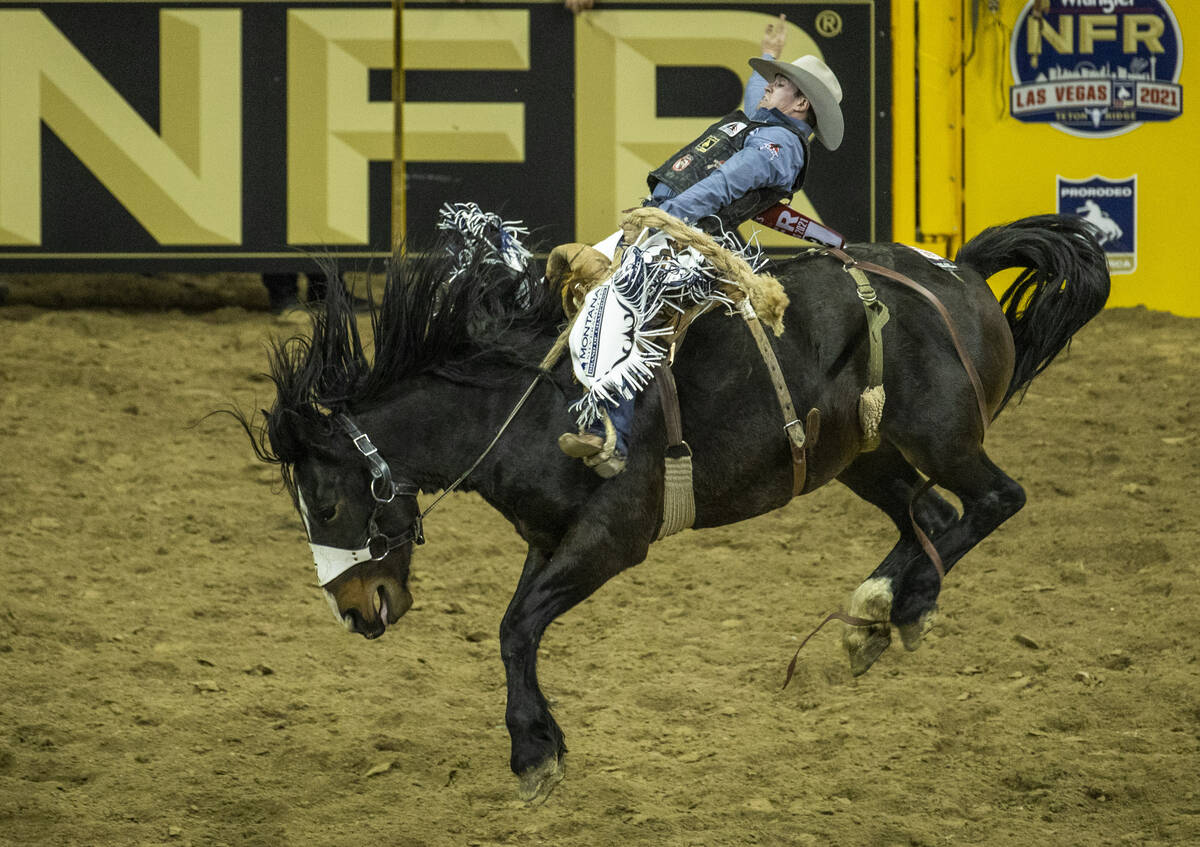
(551, 583)
(537, 742)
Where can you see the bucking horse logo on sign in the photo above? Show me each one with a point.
(1106, 228)
(1110, 206)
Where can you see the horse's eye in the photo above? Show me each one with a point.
(326, 514)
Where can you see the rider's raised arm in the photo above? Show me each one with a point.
(773, 42)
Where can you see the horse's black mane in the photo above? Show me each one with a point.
(431, 320)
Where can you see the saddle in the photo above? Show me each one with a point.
(575, 269)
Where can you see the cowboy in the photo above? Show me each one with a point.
(745, 163)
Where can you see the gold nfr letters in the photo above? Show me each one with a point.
(184, 186)
(334, 131)
(1133, 29)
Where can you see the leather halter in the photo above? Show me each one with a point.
(381, 484)
(332, 562)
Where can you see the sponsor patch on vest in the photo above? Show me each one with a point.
(682, 162)
(1096, 68)
(708, 143)
(732, 128)
(1110, 206)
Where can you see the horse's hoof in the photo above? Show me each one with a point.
(871, 648)
(912, 633)
(864, 644)
(540, 780)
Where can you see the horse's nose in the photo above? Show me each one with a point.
(369, 626)
(367, 604)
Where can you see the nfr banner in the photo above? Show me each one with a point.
(254, 135)
(155, 136)
(1096, 68)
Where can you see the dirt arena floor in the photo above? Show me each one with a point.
(171, 673)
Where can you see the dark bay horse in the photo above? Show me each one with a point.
(357, 438)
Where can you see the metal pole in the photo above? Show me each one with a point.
(399, 218)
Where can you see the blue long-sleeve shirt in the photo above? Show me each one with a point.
(771, 157)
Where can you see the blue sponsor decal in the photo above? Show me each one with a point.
(1096, 68)
(1110, 206)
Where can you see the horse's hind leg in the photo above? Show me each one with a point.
(886, 480)
(989, 497)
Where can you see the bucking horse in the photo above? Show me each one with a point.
(456, 397)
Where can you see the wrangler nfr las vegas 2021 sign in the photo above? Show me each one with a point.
(1096, 68)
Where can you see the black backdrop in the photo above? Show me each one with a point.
(85, 228)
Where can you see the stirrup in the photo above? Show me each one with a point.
(609, 467)
(607, 462)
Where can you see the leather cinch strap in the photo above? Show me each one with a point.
(669, 396)
(799, 434)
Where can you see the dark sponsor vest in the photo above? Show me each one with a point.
(698, 159)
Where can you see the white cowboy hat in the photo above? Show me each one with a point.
(819, 85)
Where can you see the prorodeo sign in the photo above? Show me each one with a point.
(1110, 206)
(1097, 68)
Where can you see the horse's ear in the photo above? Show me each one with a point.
(285, 429)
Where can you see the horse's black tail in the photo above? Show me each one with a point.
(1064, 285)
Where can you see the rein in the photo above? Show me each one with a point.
(504, 426)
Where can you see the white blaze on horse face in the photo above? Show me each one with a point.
(329, 598)
(303, 511)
